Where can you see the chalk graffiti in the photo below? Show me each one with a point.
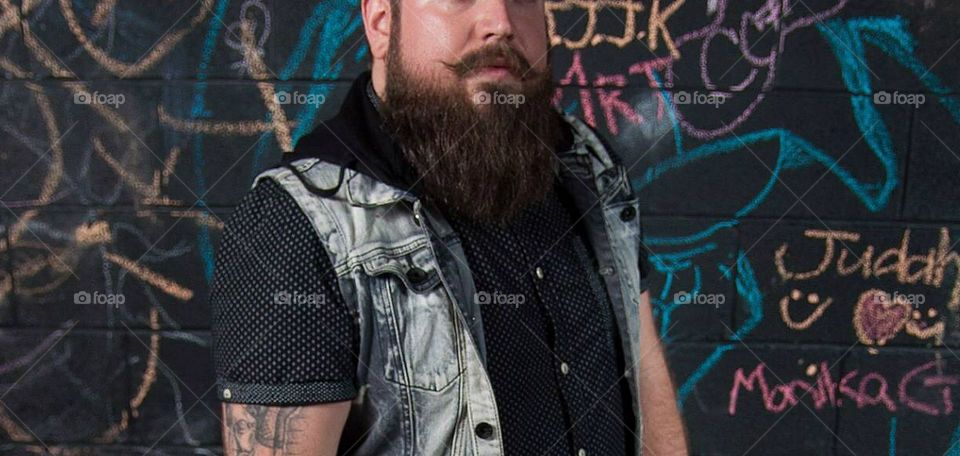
(896, 261)
(862, 390)
(112, 166)
(48, 255)
(658, 15)
(878, 315)
(681, 260)
(820, 306)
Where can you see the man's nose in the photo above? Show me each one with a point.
(494, 22)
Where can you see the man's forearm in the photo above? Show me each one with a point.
(663, 433)
(255, 430)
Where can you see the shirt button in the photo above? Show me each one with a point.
(539, 272)
(628, 213)
(564, 368)
(227, 394)
(484, 430)
(582, 452)
(606, 270)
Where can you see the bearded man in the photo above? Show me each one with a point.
(450, 265)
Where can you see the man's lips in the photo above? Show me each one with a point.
(495, 70)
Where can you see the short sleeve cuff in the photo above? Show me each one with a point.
(289, 394)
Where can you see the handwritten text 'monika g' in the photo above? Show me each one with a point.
(925, 389)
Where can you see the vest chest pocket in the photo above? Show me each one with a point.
(415, 320)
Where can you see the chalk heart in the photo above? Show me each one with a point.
(878, 317)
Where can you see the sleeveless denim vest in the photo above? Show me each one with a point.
(424, 389)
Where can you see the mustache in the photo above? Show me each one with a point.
(497, 54)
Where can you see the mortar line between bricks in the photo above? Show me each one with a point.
(906, 166)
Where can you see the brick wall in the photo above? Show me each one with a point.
(797, 162)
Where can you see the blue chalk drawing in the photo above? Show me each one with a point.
(326, 30)
(893, 436)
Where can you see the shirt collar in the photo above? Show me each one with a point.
(374, 98)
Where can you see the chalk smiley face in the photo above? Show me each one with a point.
(812, 299)
(922, 328)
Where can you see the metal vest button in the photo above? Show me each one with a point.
(484, 431)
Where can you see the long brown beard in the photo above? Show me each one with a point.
(486, 163)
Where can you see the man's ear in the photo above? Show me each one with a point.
(376, 24)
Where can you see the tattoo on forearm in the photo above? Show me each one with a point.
(257, 429)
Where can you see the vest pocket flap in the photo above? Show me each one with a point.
(415, 269)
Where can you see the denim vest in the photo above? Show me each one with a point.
(424, 388)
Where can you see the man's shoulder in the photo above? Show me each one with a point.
(268, 214)
(265, 196)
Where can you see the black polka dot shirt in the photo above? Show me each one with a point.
(282, 333)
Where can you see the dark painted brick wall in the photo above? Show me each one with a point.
(798, 164)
